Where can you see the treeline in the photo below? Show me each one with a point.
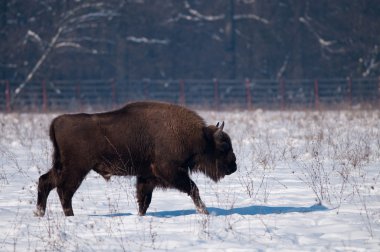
(189, 39)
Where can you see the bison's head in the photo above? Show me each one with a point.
(219, 159)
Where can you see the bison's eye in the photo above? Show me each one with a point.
(225, 147)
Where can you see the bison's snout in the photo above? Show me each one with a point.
(231, 169)
(231, 164)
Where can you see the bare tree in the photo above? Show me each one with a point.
(135, 39)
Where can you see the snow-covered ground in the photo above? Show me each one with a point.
(306, 181)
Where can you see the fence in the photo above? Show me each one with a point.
(78, 95)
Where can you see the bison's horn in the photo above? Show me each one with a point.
(219, 130)
(221, 126)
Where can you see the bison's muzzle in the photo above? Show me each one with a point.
(231, 169)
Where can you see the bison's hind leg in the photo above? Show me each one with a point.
(46, 183)
(66, 189)
(144, 189)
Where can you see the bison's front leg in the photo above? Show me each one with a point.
(144, 189)
(194, 194)
(180, 180)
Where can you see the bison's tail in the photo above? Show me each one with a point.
(57, 165)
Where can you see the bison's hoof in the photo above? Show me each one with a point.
(202, 211)
(39, 212)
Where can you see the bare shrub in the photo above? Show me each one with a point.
(3, 174)
(257, 176)
(339, 155)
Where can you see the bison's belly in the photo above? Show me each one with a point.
(122, 165)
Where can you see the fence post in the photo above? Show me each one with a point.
(378, 91)
(78, 95)
(146, 89)
(282, 90)
(182, 99)
(349, 82)
(7, 96)
(44, 96)
(113, 87)
(316, 94)
(248, 93)
(216, 94)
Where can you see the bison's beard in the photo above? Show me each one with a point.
(211, 171)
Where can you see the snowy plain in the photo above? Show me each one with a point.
(306, 181)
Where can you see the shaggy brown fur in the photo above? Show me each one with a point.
(157, 142)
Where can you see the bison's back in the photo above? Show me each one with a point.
(171, 129)
(164, 119)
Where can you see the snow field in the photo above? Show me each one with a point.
(306, 181)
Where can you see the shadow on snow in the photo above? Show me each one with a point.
(249, 210)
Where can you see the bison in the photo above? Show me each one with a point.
(159, 143)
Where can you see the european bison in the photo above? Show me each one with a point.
(157, 142)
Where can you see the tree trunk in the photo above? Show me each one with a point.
(230, 41)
